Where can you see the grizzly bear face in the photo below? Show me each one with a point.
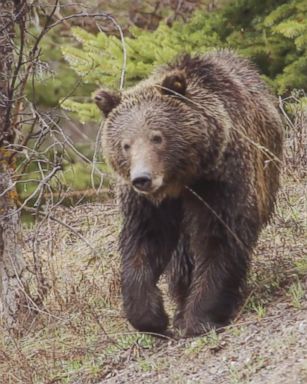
(156, 139)
(144, 143)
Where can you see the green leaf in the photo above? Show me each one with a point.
(290, 28)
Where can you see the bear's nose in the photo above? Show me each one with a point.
(142, 182)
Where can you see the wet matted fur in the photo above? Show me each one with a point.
(197, 148)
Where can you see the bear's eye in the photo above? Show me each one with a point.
(156, 139)
(126, 147)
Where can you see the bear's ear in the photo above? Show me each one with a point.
(174, 83)
(107, 100)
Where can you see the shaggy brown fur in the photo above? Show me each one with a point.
(197, 147)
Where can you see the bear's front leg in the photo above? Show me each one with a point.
(143, 303)
(147, 239)
(218, 278)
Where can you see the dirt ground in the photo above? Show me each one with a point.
(80, 334)
(267, 344)
(260, 351)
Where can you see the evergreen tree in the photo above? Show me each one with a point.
(272, 33)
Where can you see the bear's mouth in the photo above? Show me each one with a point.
(160, 191)
(146, 185)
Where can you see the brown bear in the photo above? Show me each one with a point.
(197, 148)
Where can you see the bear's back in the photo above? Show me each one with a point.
(257, 129)
(224, 73)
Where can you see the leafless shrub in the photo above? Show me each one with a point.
(294, 109)
(36, 137)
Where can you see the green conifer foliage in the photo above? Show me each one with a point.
(290, 22)
(273, 33)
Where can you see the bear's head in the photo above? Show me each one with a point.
(154, 136)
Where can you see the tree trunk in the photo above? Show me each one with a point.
(14, 278)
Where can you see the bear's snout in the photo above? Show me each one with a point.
(142, 182)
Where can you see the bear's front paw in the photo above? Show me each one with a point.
(149, 321)
(194, 326)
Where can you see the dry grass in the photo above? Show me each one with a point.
(80, 335)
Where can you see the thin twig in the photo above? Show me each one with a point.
(81, 237)
(105, 16)
(239, 241)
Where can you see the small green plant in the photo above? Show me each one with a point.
(296, 292)
(235, 330)
(301, 266)
(257, 304)
(259, 309)
(145, 365)
(196, 346)
(130, 340)
(234, 375)
(211, 340)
